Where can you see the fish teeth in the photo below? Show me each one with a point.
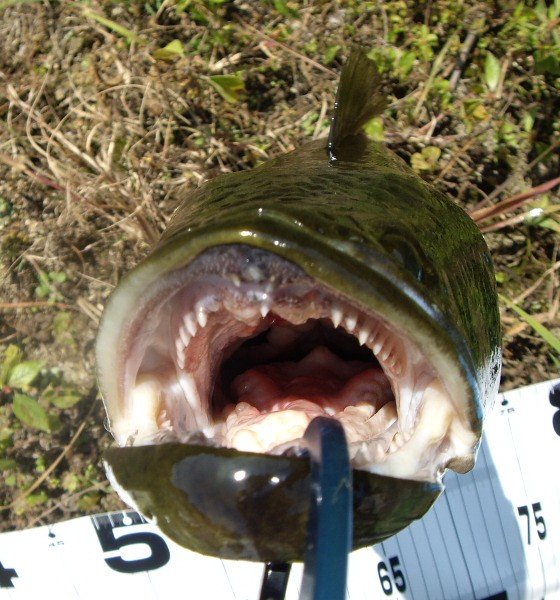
(396, 443)
(189, 387)
(180, 344)
(264, 310)
(385, 352)
(184, 336)
(350, 322)
(363, 336)
(190, 323)
(336, 316)
(379, 342)
(395, 364)
(378, 452)
(202, 317)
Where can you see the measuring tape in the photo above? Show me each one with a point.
(494, 534)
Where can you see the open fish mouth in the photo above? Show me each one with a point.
(329, 281)
(241, 349)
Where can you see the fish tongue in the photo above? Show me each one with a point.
(319, 377)
(276, 402)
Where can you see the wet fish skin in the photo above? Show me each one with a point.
(194, 496)
(352, 215)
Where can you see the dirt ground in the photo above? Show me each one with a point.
(108, 109)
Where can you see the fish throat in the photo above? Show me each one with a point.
(242, 349)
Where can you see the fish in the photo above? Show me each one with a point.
(329, 281)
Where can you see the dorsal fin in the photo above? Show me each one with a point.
(358, 99)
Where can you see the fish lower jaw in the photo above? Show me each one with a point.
(376, 443)
(247, 361)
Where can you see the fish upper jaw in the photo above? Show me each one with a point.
(227, 352)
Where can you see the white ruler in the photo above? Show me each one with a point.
(495, 533)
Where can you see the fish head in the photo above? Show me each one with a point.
(331, 280)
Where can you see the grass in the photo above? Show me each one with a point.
(109, 110)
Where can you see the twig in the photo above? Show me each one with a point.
(53, 466)
(537, 283)
(24, 168)
(498, 190)
(466, 49)
(66, 499)
(436, 65)
(13, 95)
(484, 214)
(306, 59)
(455, 158)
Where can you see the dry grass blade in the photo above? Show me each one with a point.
(32, 113)
(539, 217)
(512, 203)
(286, 48)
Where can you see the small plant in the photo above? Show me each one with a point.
(17, 379)
(48, 285)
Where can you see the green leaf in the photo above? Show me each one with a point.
(7, 464)
(181, 6)
(492, 71)
(545, 333)
(374, 129)
(425, 160)
(62, 396)
(406, 62)
(173, 50)
(23, 375)
(230, 87)
(55, 424)
(66, 399)
(31, 413)
(550, 224)
(12, 356)
(547, 63)
(285, 10)
(330, 54)
(35, 499)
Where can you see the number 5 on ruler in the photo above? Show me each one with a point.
(539, 520)
(109, 530)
